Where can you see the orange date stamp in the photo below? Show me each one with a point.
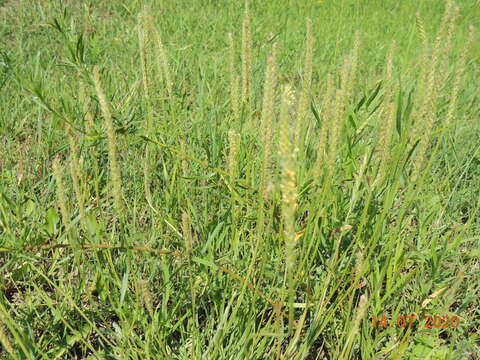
(407, 321)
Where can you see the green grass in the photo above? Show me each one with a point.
(205, 269)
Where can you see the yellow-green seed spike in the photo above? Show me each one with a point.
(246, 55)
(289, 197)
(305, 94)
(388, 112)
(111, 141)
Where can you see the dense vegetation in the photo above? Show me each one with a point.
(201, 179)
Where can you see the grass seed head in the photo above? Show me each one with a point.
(111, 141)
(268, 115)
(247, 74)
(232, 154)
(61, 193)
(304, 99)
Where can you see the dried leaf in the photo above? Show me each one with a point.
(432, 297)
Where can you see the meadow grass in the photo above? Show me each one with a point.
(200, 179)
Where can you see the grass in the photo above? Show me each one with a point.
(169, 191)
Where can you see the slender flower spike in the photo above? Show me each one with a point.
(112, 147)
(61, 195)
(76, 173)
(246, 55)
(268, 115)
(304, 99)
(232, 155)
(289, 196)
(234, 79)
(389, 111)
